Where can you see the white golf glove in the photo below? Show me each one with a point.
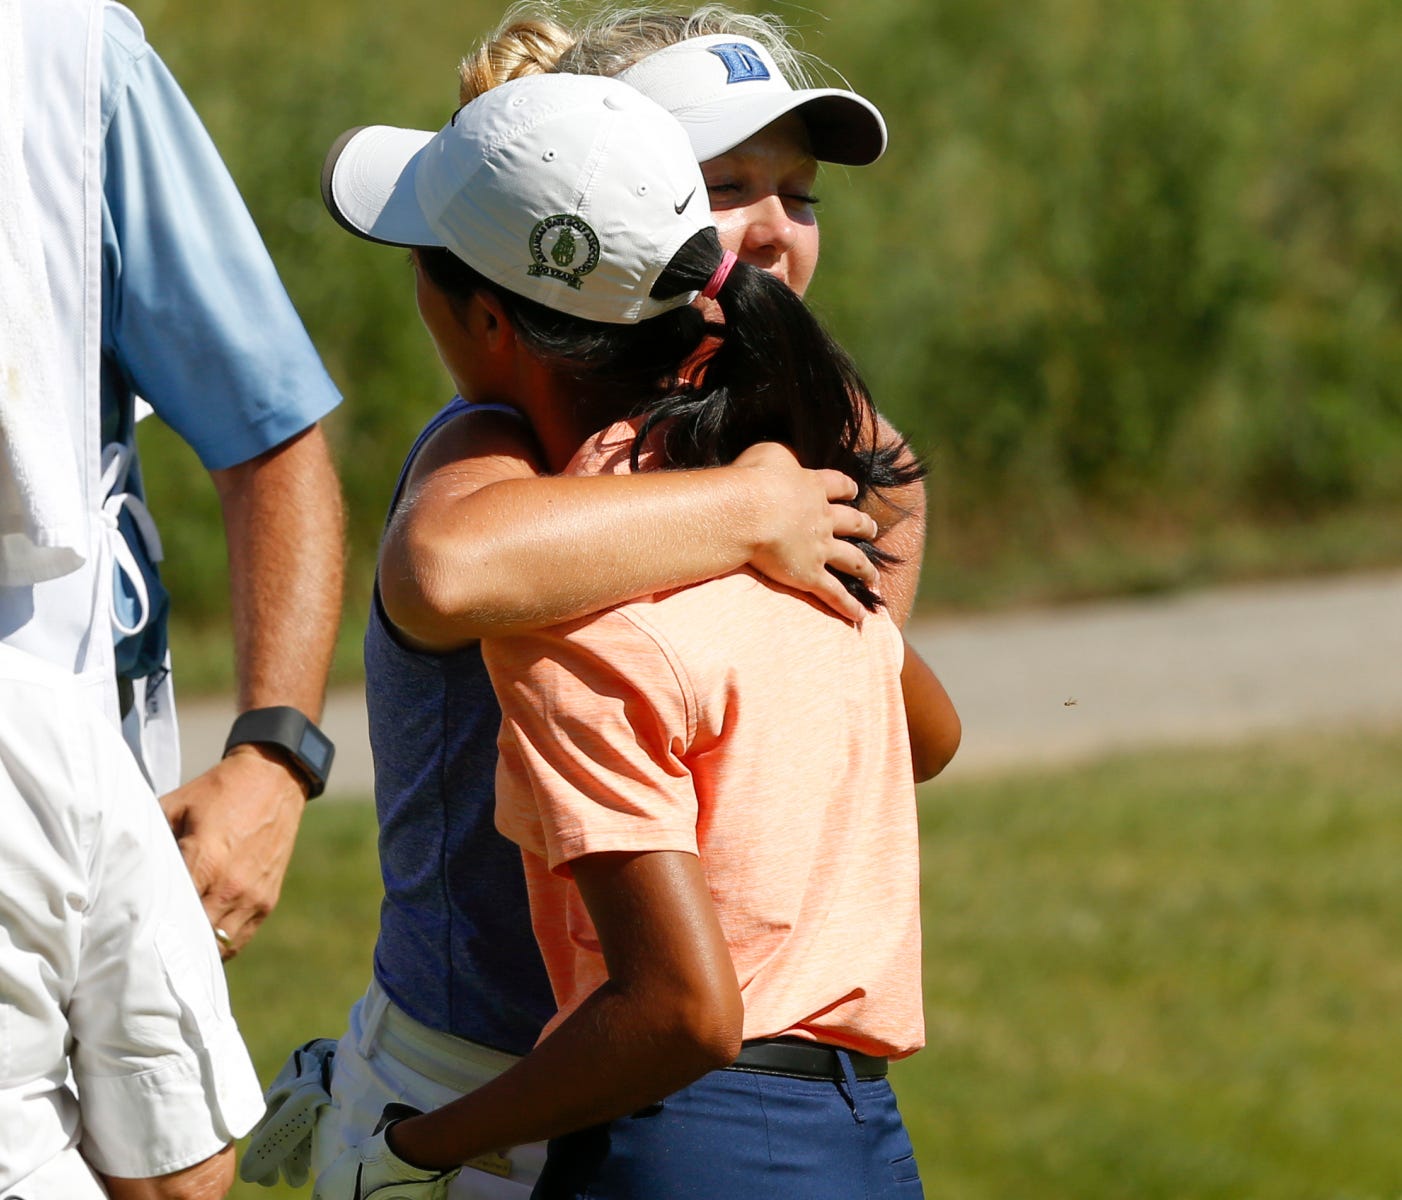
(282, 1139)
(373, 1170)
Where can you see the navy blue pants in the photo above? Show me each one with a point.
(735, 1135)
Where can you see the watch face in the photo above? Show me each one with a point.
(316, 750)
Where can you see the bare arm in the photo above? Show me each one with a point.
(934, 726)
(482, 543)
(238, 820)
(900, 519)
(283, 518)
(670, 1012)
(207, 1180)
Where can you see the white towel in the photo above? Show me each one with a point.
(43, 526)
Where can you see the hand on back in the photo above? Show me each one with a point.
(809, 519)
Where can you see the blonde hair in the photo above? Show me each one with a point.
(520, 45)
(534, 39)
(615, 38)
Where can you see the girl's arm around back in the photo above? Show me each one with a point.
(482, 543)
(934, 725)
(900, 520)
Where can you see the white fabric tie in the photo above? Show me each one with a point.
(116, 462)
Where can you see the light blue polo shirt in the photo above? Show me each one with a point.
(194, 317)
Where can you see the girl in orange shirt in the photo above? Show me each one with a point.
(563, 198)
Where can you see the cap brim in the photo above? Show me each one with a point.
(844, 127)
(367, 184)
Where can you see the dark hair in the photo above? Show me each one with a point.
(639, 362)
(777, 375)
(774, 373)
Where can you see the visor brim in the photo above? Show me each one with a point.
(843, 127)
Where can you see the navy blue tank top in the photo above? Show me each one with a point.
(455, 950)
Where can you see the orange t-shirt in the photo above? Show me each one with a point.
(745, 723)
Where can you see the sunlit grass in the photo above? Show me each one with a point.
(1174, 975)
(311, 961)
(1166, 976)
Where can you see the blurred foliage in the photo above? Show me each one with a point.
(1129, 274)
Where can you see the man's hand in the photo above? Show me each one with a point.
(236, 825)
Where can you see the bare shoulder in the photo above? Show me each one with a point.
(478, 446)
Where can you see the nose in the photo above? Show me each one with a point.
(770, 233)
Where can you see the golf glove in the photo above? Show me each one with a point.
(282, 1139)
(372, 1171)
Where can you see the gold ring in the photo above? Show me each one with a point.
(223, 938)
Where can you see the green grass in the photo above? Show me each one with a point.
(1166, 976)
(311, 962)
(306, 967)
(1171, 975)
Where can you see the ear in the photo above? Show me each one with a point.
(486, 319)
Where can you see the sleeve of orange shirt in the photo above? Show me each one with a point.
(597, 718)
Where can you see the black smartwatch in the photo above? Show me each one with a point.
(296, 740)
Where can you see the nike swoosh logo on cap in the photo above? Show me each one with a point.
(681, 208)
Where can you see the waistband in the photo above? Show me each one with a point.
(801, 1059)
(463, 1066)
(448, 1060)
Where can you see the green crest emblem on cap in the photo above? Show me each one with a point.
(558, 254)
(564, 248)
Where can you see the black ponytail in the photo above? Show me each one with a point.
(776, 376)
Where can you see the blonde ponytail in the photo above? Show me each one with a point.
(529, 46)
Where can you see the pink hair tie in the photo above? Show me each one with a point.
(722, 273)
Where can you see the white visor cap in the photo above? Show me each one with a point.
(724, 89)
(571, 190)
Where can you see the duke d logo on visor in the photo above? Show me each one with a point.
(742, 64)
(564, 248)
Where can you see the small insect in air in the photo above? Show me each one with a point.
(1070, 702)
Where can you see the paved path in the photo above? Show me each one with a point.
(1045, 687)
(1208, 667)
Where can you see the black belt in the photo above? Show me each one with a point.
(804, 1060)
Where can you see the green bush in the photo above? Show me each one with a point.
(1138, 252)
(1129, 274)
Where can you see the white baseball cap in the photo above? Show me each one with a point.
(724, 89)
(574, 191)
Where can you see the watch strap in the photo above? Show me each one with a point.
(294, 735)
